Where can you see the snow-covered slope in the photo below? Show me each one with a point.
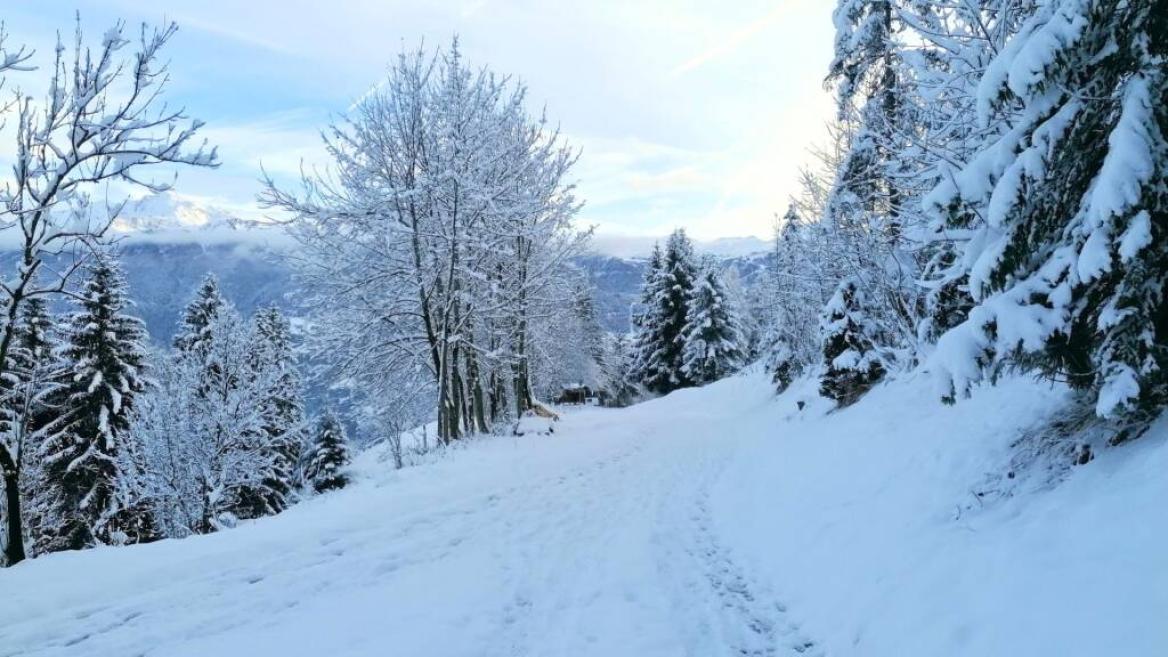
(895, 527)
(717, 521)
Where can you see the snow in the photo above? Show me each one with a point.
(868, 522)
(1137, 236)
(1120, 388)
(713, 521)
(1119, 186)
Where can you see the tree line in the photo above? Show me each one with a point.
(101, 440)
(687, 328)
(992, 198)
(121, 443)
(434, 266)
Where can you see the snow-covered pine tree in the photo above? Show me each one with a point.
(865, 67)
(957, 43)
(25, 387)
(872, 201)
(203, 431)
(30, 388)
(231, 400)
(592, 342)
(851, 364)
(750, 303)
(194, 326)
(1068, 270)
(327, 455)
(783, 365)
(645, 324)
(712, 336)
(104, 355)
(661, 323)
(282, 409)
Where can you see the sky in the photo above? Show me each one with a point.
(687, 113)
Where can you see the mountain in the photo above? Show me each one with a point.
(168, 242)
(171, 211)
(162, 278)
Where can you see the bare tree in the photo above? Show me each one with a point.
(436, 236)
(102, 125)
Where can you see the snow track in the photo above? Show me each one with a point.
(595, 540)
(718, 522)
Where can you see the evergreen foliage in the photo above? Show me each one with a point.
(661, 322)
(104, 354)
(1067, 272)
(327, 456)
(851, 364)
(713, 335)
(282, 408)
(195, 326)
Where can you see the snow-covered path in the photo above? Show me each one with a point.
(712, 522)
(595, 540)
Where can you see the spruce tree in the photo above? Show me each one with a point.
(866, 68)
(31, 375)
(646, 324)
(194, 328)
(281, 409)
(29, 390)
(620, 359)
(661, 324)
(1069, 268)
(713, 336)
(220, 398)
(327, 455)
(851, 364)
(104, 355)
(591, 343)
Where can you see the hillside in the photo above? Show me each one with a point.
(714, 521)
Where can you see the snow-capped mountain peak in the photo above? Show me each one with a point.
(169, 211)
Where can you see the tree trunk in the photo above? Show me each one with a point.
(14, 550)
(498, 396)
(478, 406)
(522, 380)
(458, 386)
(448, 415)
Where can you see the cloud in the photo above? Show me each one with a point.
(731, 41)
(280, 142)
(662, 147)
(230, 31)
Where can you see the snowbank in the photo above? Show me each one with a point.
(868, 522)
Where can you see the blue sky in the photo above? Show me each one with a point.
(693, 114)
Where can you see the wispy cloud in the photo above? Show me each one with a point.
(731, 41)
(231, 32)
